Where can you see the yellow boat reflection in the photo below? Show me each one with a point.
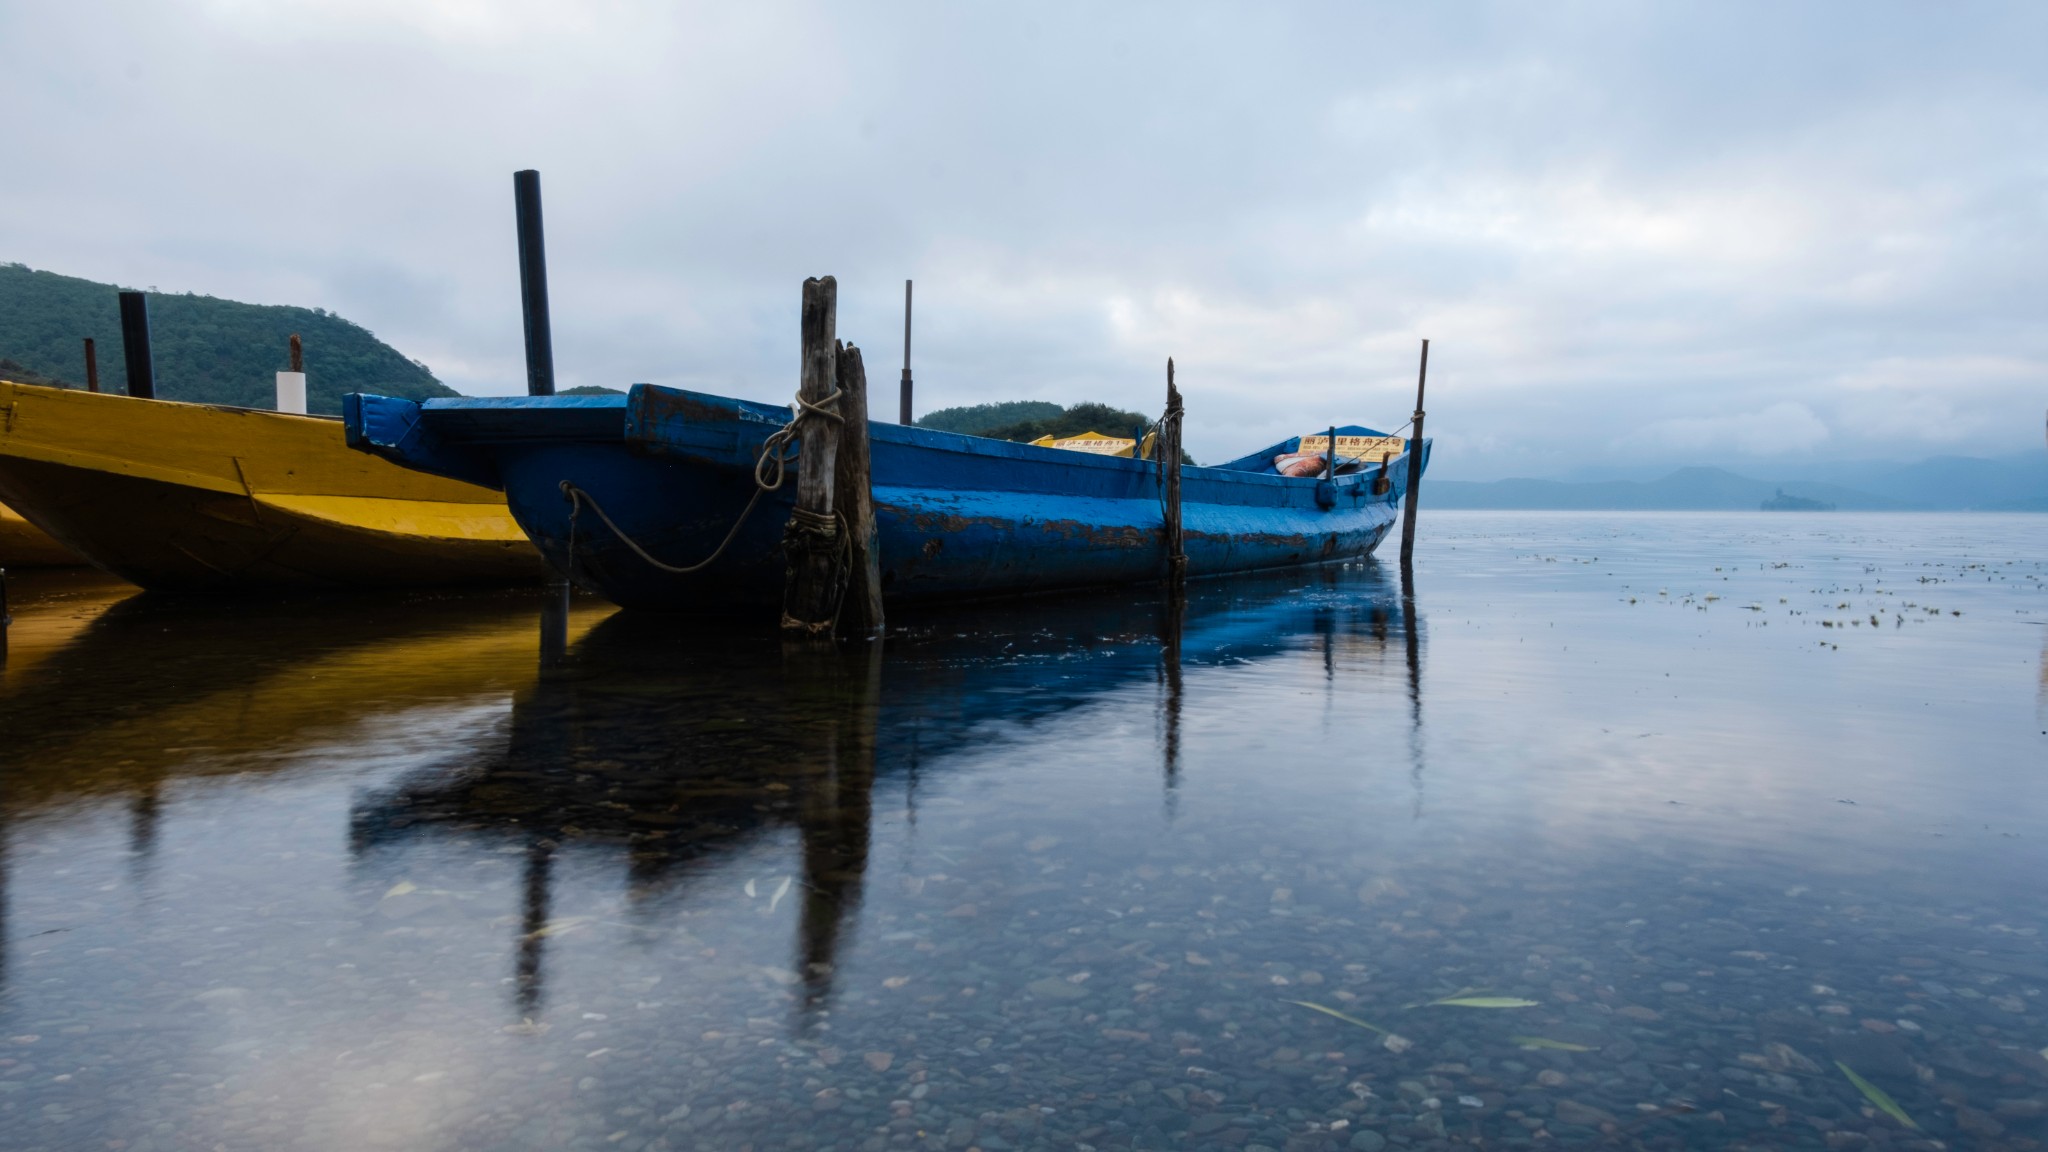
(109, 697)
(23, 545)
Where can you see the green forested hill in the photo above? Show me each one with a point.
(1030, 419)
(206, 349)
(978, 419)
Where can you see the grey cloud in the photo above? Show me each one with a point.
(1635, 232)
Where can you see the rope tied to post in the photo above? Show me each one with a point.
(771, 469)
(808, 534)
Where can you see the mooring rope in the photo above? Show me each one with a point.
(771, 469)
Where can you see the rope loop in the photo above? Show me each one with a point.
(771, 470)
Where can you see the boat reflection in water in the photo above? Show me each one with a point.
(108, 691)
(680, 747)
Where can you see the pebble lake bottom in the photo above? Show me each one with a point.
(1628, 830)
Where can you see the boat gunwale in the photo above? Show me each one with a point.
(180, 403)
(633, 407)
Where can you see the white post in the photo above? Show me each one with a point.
(291, 386)
(291, 392)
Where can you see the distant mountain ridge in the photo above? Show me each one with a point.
(205, 349)
(1944, 483)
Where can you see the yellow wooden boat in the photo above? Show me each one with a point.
(206, 498)
(23, 545)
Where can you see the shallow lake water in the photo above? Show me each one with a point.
(1695, 814)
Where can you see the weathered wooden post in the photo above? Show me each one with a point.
(811, 543)
(854, 498)
(1414, 464)
(1167, 445)
(135, 345)
(92, 367)
(291, 385)
(903, 400)
(533, 285)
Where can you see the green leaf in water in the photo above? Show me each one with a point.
(1484, 1002)
(1344, 1016)
(1876, 1095)
(1546, 1043)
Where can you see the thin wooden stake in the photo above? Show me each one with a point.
(853, 495)
(92, 367)
(811, 543)
(1414, 464)
(1167, 444)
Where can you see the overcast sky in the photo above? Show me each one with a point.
(1636, 234)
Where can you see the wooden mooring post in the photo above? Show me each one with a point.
(1167, 446)
(1414, 464)
(533, 284)
(92, 367)
(811, 541)
(854, 497)
(135, 345)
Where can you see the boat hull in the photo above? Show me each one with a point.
(23, 545)
(958, 517)
(198, 498)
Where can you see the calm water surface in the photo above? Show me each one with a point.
(1735, 801)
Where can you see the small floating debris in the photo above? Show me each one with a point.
(1344, 1016)
(1877, 1096)
(1460, 1000)
(1546, 1044)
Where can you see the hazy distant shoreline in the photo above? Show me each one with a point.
(1943, 484)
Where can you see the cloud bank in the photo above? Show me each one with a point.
(1635, 233)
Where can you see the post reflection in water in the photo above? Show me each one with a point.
(684, 746)
(1172, 620)
(1411, 629)
(676, 745)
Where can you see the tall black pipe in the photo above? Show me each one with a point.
(135, 345)
(903, 396)
(533, 285)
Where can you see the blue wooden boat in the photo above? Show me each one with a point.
(958, 516)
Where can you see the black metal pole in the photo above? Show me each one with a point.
(1330, 456)
(1414, 464)
(533, 285)
(92, 367)
(903, 399)
(135, 345)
